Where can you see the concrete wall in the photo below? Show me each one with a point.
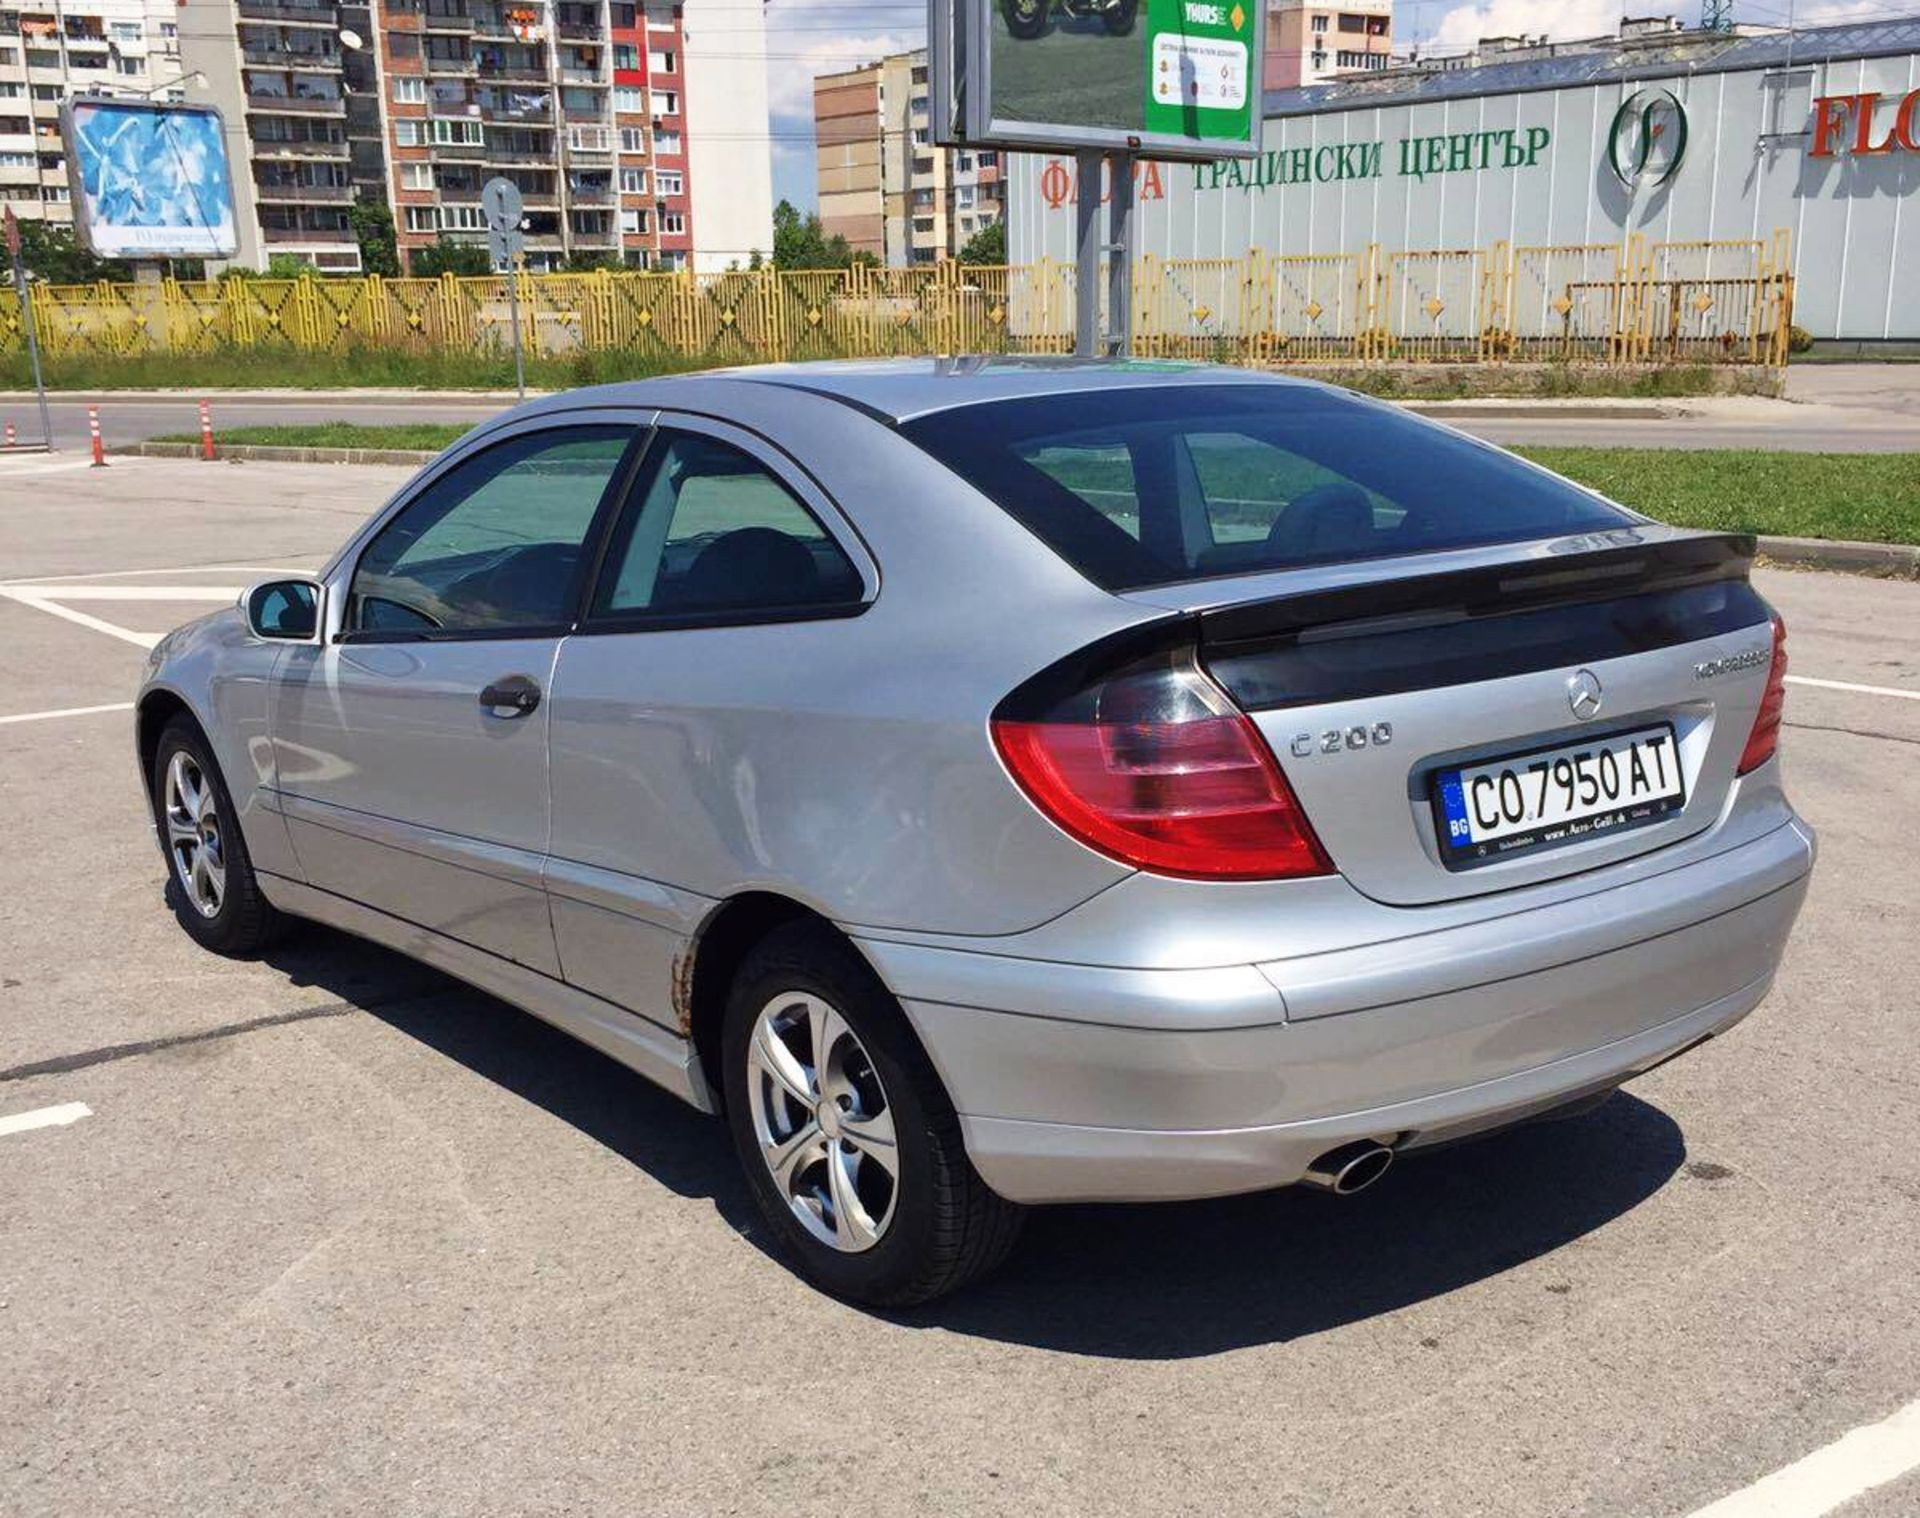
(1338, 180)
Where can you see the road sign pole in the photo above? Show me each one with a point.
(1086, 272)
(25, 294)
(519, 362)
(1120, 256)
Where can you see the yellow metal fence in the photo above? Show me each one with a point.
(1634, 302)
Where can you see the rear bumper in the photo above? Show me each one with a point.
(1228, 1079)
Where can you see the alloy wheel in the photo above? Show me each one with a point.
(823, 1122)
(194, 834)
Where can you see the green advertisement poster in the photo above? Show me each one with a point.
(1202, 69)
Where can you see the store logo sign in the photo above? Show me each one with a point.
(1058, 184)
(1833, 114)
(1648, 138)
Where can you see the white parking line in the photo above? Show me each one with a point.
(67, 711)
(54, 608)
(44, 1117)
(1852, 1465)
(37, 582)
(130, 592)
(1863, 690)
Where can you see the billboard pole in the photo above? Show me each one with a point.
(20, 288)
(1086, 257)
(1119, 342)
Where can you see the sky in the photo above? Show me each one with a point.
(809, 37)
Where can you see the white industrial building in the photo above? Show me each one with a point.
(1673, 137)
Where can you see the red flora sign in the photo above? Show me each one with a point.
(1844, 125)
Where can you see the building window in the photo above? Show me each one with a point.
(988, 160)
(1319, 23)
(633, 140)
(633, 181)
(659, 62)
(421, 219)
(669, 182)
(409, 91)
(1352, 23)
(416, 176)
(625, 55)
(443, 132)
(129, 31)
(666, 142)
(630, 223)
(463, 219)
(625, 17)
(673, 223)
(585, 139)
(406, 134)
(666, 103)
(628, 98)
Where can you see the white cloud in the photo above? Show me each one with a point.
(1464, 25)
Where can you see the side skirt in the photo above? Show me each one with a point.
(662, 1056)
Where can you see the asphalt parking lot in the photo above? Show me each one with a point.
(335, 1233)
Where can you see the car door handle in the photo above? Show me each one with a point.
(514, 696)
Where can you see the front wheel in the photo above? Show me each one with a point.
(212, 888)
(1026, 19)
(1118, 17)
(850, 1146)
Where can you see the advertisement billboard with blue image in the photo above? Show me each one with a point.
(148, 180)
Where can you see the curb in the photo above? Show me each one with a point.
(1895, 561)
(242, 453)
(1495, 410)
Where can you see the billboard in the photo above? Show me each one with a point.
(1176, 79)
(149, 180)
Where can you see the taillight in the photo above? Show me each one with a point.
(1765, 737)
(1155, 766)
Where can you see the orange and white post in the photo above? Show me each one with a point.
(93, 431)
(13, 437)
(206, 432)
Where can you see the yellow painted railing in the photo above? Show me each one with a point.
(1633, 302)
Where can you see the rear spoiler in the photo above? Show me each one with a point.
(1580, 574)
(1465, 626)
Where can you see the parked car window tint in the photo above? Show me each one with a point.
(716, 531)
(1156, 486)
(495, 543)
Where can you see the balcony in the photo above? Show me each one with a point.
(302, 149)
(458, 152)
(336, 235)
(298, 105)
(270, 56)
(525, 73)
(451, 68)
(602, 197)
(303, 194)
(438, 21)
(580, 31)
(588, 113)
(591, 78)
(291, 12)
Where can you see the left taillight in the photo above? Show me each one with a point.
(1155, 766)
(1765, 737)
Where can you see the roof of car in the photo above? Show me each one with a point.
(900, 389)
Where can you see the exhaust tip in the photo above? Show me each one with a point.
(1349, 1168)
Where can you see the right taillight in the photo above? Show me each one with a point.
(1156, 767)
(1765, 737)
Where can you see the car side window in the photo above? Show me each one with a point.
(493, 545)
(715, 531)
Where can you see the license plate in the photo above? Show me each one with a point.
(1555, 796)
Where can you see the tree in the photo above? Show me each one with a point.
(449, 257)
(988, 246)
(799, 242)
(51, 252)
(372, 222)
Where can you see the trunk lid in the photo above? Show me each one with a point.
(1369, 680)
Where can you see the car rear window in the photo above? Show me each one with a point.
(1158, 486)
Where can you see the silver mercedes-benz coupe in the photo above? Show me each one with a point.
(993, 783)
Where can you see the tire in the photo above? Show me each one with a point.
(217, 901)
(1026, 19)
(904, 1236)
(1118, 18)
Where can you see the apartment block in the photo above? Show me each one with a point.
(58, 48)
(582, 104)
(1309, 42)
(881, 181)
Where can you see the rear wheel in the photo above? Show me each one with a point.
(850, 1146)
(1026, 19)
(1118, 17)
(212, 887)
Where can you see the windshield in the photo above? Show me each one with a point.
(1189, 482)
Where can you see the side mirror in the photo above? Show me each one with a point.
(286, 611)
